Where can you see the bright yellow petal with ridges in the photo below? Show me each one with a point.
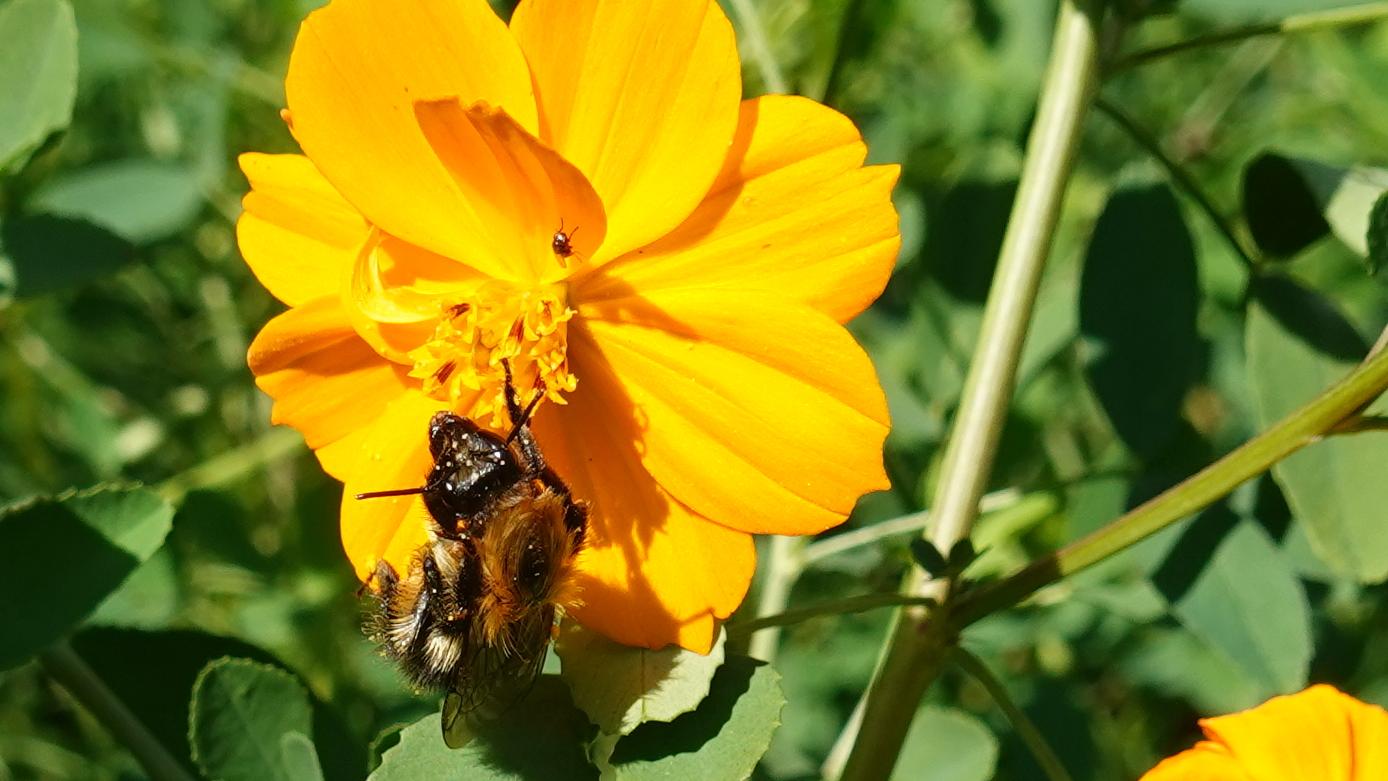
(326, 382)
(357, 69)
(793, 215)
(518, 191)
(395, 454)
(1311, 735)
(762, 416)
(641, 96)
(296, 233)
(1208, 761)
(652, 571)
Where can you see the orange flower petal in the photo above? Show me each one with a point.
(1319, 733)
(652, 572)
(356, 70)
(793, 215)
(1208, 761)
(518, 192)
(326, 382)
(395, 454)
(761, 416)
(296, 233)
(641, 96)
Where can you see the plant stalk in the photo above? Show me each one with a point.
(919, 646)
(1318, 418)
(68, 669)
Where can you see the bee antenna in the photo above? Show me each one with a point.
(393, 492)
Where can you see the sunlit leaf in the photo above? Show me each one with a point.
(1298, 345)
(240, 713)
(64, 556)
(140, 200)
(38, 74)
(541, 737)
(1290, 202)
(723, 738)
(1228, 583)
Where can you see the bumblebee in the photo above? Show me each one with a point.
(475, 612)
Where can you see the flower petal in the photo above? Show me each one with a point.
(1207, 761)
(762, 416)
(395, 454)
(326, 382)
(1317, 733)
(652, 571)
(355, 72)
(792, 215)
(518, 192)
(296, 232)
(641, 96)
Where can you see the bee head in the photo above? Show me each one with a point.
(472, 466)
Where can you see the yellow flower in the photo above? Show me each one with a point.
(1319, 734)
(702, 386)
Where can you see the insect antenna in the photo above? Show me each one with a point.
(393, 492)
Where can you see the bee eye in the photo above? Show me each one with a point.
(532, 576)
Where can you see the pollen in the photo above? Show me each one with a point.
(461, 364)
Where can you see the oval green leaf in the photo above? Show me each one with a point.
(240, 713)
(1298, 345)
(38, 75)
(139, 200)
(620, 687)
(63, 556)
(947, 745)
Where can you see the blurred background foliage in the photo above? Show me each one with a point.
(127, 312)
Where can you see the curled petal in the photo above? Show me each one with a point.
(518, 192)
(356, 70)
(653, 572)
(296, 232)
(326, 382)
(761, 416)
(793, 214)
(641, 96)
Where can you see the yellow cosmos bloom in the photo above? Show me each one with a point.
(700, 385)
(1319, 734)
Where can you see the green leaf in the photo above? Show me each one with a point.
(1177, 664)
(947, 745)
(723, 738)
(240, 712)
(1138, 298)
(619, 687)
(1298, 344)
(1290, 202)
(1227, 582)
(542, 736)
(140, 200)
(38, 74)
(928, 557)
(48, 253)
(63, 556)
(299, 757)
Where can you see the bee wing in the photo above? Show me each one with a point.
(497, 679)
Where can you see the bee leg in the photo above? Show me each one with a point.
(430, 605)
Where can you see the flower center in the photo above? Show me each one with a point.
(498, 322)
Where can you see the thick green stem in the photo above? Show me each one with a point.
(1296, 23)
(1026, 730)
(918, 646)
(87, 688)
(1321, 416)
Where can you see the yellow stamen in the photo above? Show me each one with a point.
(527, 328)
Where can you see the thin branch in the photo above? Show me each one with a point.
(913, 522)
(1296, 23)
(759, 47)
(1179, 176)
(833, 82)
(782, 569)
(234, 464)
(1307, 425)
(68, 669)
(829, 607)
(1026, 730)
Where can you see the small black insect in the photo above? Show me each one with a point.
(562, 244)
